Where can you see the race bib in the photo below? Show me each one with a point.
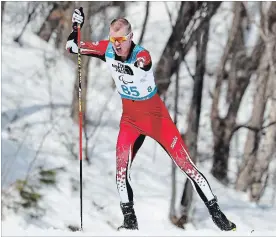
(132, 82)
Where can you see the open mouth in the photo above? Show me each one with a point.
(118, 49)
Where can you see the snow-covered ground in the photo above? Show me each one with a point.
(37, 86)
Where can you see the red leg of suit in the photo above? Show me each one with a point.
(125, 152)
(171, 140)
(151, 117)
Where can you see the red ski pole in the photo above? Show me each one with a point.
(80, 119)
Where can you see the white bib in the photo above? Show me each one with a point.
(131, 82)
(138, 85)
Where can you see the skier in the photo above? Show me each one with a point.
(144, 114)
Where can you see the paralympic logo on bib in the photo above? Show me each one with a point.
(121, 78)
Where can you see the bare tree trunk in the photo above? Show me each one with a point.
(86, 34)
(259, 174)
(145, 23)
(221, 138)
(266, 68)
(241, 69)
(182, 38)
(253, 137)
(164, 66)
(193, 123)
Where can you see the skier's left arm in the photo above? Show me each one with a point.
(143, 60)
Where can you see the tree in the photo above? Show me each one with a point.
(177, 47)
(200, 35)
(256, 121)
(174, 45)
(182, 38)
(193, 121)
(242, 66)
(266, 70)
(164, 68)
(259, 174)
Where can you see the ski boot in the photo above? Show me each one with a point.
(130, 220)
(218, 217)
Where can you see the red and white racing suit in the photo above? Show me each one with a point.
(144, 114)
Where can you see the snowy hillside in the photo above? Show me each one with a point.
(37, 86)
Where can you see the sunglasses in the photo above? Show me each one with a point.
(119, 39)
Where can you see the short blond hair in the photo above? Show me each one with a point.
(118, 23)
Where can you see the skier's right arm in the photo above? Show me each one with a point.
(94, 49)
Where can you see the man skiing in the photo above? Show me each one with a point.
(144, 114)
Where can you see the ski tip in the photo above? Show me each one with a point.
(74, 228)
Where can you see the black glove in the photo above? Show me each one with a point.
(78, 18)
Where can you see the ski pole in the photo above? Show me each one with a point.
(80, 119)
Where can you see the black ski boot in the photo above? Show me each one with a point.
(130, 220)
(218, 217)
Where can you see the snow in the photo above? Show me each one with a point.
(37, 87)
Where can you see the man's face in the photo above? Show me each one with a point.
(122, 41)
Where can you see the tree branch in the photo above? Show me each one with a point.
(252, 128)
(188, 69)
(169, 14)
